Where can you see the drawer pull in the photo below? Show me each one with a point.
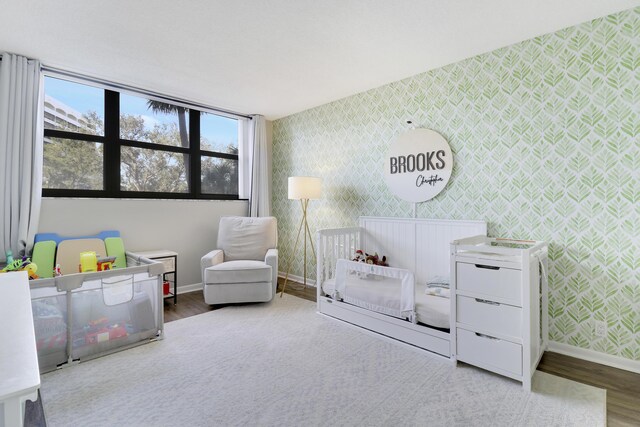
(487, 267)
(484, 301)
(478, 334)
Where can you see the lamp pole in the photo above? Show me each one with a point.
(304, 203)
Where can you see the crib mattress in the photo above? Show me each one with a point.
(430, 310)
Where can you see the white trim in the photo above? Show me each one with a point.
(595, 356)
(389, 339)
(421, 336)
(297, 279)
(185, 289)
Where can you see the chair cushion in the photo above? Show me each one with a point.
(238, 272)
(247, 238)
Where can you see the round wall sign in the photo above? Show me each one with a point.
(418, 165)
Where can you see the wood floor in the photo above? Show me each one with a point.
(623, 387)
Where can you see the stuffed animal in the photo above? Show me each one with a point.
(360, 256)
(374, 259)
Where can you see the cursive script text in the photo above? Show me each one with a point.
(432, 180)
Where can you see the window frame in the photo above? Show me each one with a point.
(112, 144)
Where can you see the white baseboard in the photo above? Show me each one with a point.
(183, 289)
(189, 288)
(595, 356)
(298, 279)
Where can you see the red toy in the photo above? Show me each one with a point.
(100, 331)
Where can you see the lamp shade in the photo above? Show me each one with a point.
(304, 187)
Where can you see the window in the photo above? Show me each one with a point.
(104, 143)
(73, 142)
(153, 121)
(73, 164)
(148, 167)
(219, 160)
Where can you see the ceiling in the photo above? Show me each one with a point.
(274, 57)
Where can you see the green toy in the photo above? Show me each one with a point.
(21, 265)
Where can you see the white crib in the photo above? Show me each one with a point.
(418, 245)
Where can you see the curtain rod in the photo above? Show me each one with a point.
(156, 96)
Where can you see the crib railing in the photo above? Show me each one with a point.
(334, 244)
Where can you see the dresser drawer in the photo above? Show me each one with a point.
(490, 281)
(489, 353)
(489, 316)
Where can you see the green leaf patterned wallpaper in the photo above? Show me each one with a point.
(546, 139)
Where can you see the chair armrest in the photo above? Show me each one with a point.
(214, 257)
(272, 259)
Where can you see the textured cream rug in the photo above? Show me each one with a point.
(281, 364)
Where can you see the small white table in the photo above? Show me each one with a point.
(19, 371)
(170, 261)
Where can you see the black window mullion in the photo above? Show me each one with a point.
(219, 155)
(54, 133)
(112, 142)
(195, 182)
(153, 146)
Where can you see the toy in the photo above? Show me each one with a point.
(100, 330)
(106, 263)
(56, 271)
(50, 249)
(374, 259)
(359, 257)
(88, 262)
(23, 264)
(31, 269)
(14, 266)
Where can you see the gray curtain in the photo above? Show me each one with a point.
(260, 198)
(20, 153)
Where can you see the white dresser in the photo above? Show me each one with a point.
(499, 305)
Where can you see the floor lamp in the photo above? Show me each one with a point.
(303, 188)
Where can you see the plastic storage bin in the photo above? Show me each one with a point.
(81, 316)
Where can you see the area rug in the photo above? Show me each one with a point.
(282, 364)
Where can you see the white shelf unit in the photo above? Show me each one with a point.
(170, 261)
(499, 305)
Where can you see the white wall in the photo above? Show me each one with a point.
(189, 227)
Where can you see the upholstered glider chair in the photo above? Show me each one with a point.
(244, 268)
